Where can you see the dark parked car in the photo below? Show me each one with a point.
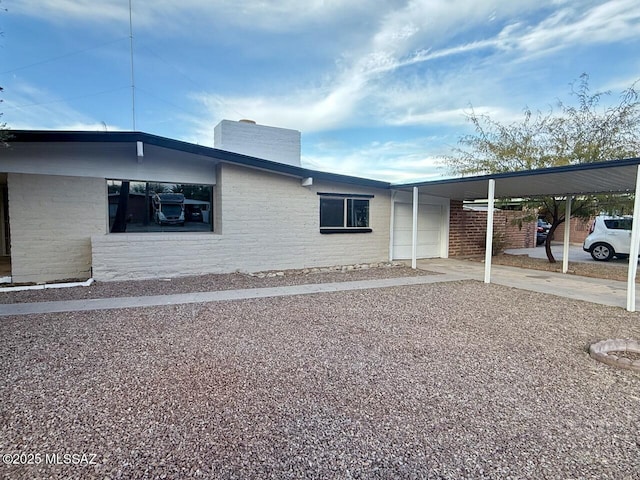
(194, 213)
(542, 231)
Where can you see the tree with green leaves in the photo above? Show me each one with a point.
(585, 132)
(194, 192)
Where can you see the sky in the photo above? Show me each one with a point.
(379, 89)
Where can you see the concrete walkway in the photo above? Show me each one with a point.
(595, 290)
(217, 296)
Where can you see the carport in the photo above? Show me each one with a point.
(619, 176)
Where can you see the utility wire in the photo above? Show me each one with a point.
(162, 100)
(215, 97)
(60, 57)
(194, 82)
(14, 107)
(133, 83)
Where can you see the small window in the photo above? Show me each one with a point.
(331, 212)
(344, 215)
(357, 213)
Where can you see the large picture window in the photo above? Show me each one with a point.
(159, 207)
(343, 213)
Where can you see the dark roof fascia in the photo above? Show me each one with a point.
(524, 173)
(359, 181)
(213, 153)
(72, 136)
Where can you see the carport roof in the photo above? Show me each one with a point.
(616, 176)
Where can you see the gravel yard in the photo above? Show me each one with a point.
(206, 283)
(456, 380)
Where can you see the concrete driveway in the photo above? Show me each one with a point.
(576, 254)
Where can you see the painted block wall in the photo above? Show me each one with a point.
(270, 143)
(52, 219)
(468, 229)
(266, 222)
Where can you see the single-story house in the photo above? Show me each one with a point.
(75, 205)
(62, 191)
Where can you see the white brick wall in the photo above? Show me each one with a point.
(268, 222)
(271, 143)
(52, 220)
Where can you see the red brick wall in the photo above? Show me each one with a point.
(579, 231)
(468, 230)
(516, 236)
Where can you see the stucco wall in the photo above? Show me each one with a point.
(265, 222)
(52, 219)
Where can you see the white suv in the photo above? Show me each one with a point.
(609, 237)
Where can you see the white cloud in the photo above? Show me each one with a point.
(393, 161)
(574, 25)
(27, 107)
(282, 15)
(57, 10)
(308, 111)
(365, 85)
(399, 63)
(91, 127)
(616, 85)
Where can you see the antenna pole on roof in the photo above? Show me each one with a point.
(133, 83)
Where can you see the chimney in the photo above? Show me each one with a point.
(248, 138)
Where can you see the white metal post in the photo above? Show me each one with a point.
(633, 251)
(392, 220)
(414, 236)
(567, 230)
(489, 241)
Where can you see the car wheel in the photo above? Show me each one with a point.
(602, 252)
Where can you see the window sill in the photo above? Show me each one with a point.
(325, 231)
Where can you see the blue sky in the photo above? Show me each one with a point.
(378, 88)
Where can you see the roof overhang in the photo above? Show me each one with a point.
(616, 176)
(214, 154)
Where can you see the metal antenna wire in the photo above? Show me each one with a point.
(133, 83)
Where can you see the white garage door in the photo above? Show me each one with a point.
(429, 226)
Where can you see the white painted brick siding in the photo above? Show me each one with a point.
(268, 222)
(52, 219)
(270, 143)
